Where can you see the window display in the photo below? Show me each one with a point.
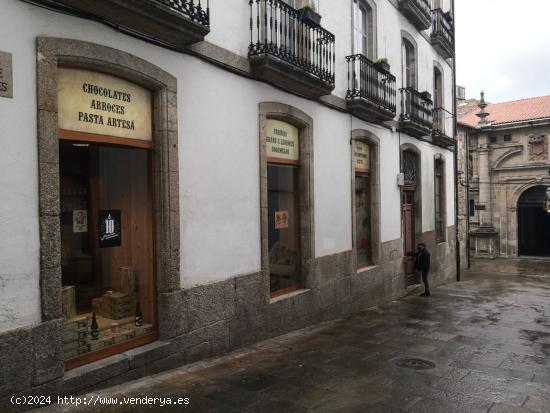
(107, 246)
(283, 168)
(363, 220)
(283, 223)
(363, 224)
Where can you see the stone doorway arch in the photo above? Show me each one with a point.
(533, 223)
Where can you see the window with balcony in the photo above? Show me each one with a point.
(442, 37)
(289, 49)
(442, 119)
(416, 108)
(409, 64)
(371, 86)
(417, 11)
(363, 30)
(177, 23)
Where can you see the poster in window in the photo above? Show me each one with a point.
(110, 228)
(281, 219)
(80, 220)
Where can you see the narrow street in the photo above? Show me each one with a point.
(481, 345)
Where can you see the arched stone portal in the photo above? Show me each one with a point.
(533, 223)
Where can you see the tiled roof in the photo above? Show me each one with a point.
(506, 112)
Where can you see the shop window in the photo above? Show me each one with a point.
(283, 198)
(106, 215)
(439, 194)
(363, 204)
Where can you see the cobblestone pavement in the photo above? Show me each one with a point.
(488, 336)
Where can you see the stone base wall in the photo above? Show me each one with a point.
(211, 320)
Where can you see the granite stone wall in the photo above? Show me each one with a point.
(211, 320)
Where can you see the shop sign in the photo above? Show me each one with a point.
(102, 104)
(110, 228)
(6, 75)
(361, 157)
(282, 141)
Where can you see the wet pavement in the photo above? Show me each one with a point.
(481, 345)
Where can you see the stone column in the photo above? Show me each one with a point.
(484, 187)
(485, 237)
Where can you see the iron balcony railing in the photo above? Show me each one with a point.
(443, 27)
(416, 107)
(369, 81)
(442, 121)
(192, 9)
(276, 29)
(423, 6)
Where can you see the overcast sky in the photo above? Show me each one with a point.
(503, 47)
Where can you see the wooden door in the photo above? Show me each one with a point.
(408, 237)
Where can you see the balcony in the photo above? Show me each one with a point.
(288, 51)
(371, 90)
(443, 34)
(442, 127)
(418, 12)
(177, 23)
(416, 113)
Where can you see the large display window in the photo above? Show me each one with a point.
(363, 201)
(283, 199)
(106, 246)
(106, 215)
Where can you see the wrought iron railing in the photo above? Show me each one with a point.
(416, 107)
(369, 81)
(277, 29)
(424, 6)
(443, 27)
(441, 118)
(193, 9)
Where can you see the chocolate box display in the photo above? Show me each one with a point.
(69, 302)
(115, 305)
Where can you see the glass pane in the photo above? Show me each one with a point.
(284, 226)
(363, 220)
(107, 246)
(360, 29)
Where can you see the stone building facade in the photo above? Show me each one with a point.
(182, 178)
(504, 174)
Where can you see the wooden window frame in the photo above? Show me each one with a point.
(364, 136)
(304, 123)
(284, 162)
(108, 140)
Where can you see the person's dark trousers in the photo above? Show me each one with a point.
(426, 283)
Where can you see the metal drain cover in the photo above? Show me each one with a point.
(414, 364)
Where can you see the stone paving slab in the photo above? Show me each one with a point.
(488, 336)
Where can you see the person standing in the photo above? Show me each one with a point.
(422, 264)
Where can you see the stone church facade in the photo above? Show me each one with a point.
(503, 166)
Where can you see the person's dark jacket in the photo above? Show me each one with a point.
(422, 260)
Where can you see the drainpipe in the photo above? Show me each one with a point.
(455, 157)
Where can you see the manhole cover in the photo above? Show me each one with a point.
(414, 364)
